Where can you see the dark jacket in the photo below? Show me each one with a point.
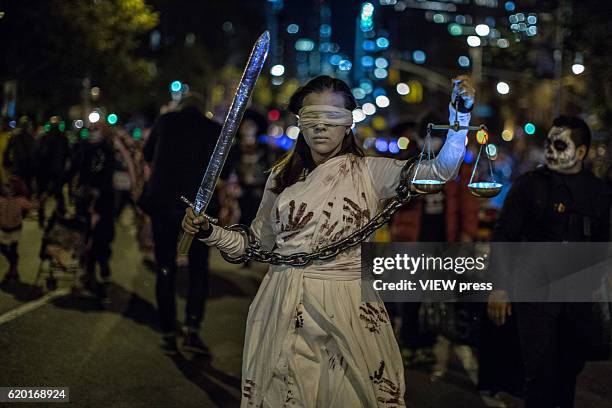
(178, 150)
(547, 206)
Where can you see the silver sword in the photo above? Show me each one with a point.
(226, 137)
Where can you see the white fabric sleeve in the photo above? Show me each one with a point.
(234, 243)
(446, 164)
(385, 173)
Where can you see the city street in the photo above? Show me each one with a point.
(109, 357)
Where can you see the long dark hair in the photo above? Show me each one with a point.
(296, 165)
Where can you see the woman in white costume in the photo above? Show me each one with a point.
(310, 340)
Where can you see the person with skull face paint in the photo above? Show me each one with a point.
(558, 202)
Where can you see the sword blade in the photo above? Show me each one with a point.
(228, 131)
(232, 121)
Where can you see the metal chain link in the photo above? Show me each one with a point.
(255, 252)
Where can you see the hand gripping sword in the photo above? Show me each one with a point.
(226, 137)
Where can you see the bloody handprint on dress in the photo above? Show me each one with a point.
(296, 222)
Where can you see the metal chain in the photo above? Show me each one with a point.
(255, 252)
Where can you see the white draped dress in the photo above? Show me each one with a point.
(310, 339)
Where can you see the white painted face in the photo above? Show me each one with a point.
(560, 149)
(324, 140)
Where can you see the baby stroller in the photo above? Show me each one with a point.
(63, 245)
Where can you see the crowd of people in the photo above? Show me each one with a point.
(93, 174)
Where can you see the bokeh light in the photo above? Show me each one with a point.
(369, 108)
(402, 88)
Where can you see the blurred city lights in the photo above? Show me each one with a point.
(325, 30)
(112, 119)
(367, 61)
(382, 42)
(379, 123)
(492, 150)
(483, 30)
(366, 85)
(402, 88)
(304, 44)
(293, 132)
(469, 156)
(380, 73)
(136, 134)
(95, 92)
(369, 45)
(78, 123)
(379, 91)
(358, 115)
(455, 29)
(293, 28)
(381, 145)
(345, 65)
(503, 43)
(482, 137)
(577, 69)
(366, 22)
(275, 131)
(532, 19)
(381, 62)
(84, 133)
(335, 59)
(382, 101)
(227, 26)
(439, 18)
(176, 86)
(473, 41)
(359, 93)
(503, 88)
(277, 70)
(393, 147)
(368, 108)
(531, 31)
(274, 115)
(419, 57)
(94, 117)
(463, 61)
(509, 6)
(12, 124)
(403, 142)
(507, 135)
(578, 66)
(530, 128)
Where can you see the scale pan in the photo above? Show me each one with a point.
(485, 189)
(427, 186)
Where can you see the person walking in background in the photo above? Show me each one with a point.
(20, 153)
(93, 163)
(53, 153)
(5, 136)
(558, 202)
(178, 150)
(13, 204)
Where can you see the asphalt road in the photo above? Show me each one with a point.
(108, 353)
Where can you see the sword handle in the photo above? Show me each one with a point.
(184, 243)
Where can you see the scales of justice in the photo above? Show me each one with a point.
(483, 189)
